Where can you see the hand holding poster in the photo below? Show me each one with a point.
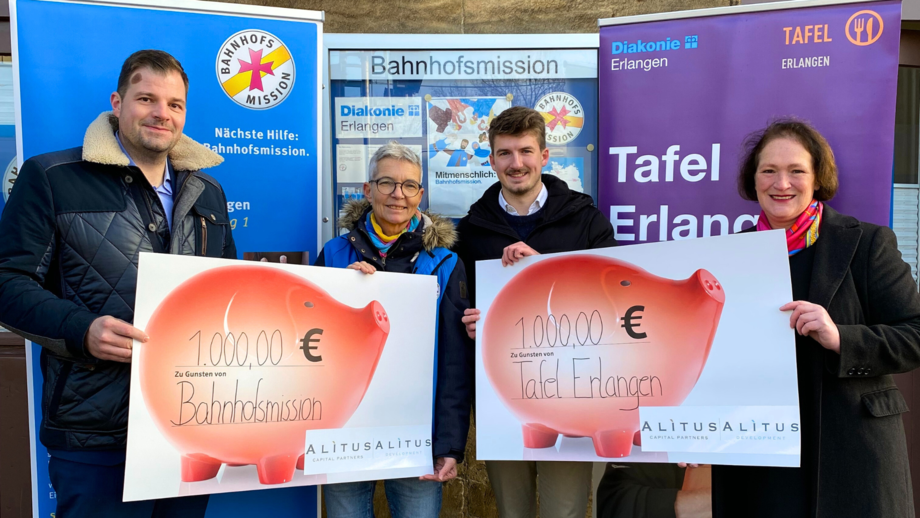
(627, 354)
(244, 359)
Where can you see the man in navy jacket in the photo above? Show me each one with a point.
(70, 238)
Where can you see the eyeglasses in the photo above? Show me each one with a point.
(388, 186)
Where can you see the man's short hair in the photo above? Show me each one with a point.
(156, 60)
(518, 121)
(396, 151)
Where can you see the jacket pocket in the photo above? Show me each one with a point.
(90, 398)
(211, 227)
(885, 402)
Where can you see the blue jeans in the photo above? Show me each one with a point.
(407, 497)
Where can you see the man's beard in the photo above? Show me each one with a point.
(155, 145)
(150, 145)
(519, 189)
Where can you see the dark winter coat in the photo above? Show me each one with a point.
(861, 461)
(70, 238)
(567, 222)
(640, 490)
(454, 376)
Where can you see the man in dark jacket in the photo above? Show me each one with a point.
(70, 238)
(528, 213)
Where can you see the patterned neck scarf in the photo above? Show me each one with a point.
(382, 241)
(804, 232)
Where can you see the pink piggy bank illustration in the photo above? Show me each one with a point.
(243, 360)
(574, 345)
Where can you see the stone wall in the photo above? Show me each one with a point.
(479, 16)
(470, 495)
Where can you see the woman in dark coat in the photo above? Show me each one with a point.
(856, 312)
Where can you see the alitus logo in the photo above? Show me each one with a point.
(752, 426)
(639, 46)
(376, 446)
(255, 69)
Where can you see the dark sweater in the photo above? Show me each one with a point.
(523, 225)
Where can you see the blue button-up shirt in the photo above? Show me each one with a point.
(164, 191)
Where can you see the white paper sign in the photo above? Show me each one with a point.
(663, 352)
(353, 161)
(245, 358)
(378, 117)
(459, 165)
(355, 449)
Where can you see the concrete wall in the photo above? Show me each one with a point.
(470, 495)
(910, 10)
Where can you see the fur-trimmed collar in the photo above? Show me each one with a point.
(101, 147)
(437, 231)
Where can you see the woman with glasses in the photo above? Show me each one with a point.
(387, 232)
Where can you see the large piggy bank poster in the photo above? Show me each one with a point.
(664, 352)
(261, 375)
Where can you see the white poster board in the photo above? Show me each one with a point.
(680, 341)
(252, 365)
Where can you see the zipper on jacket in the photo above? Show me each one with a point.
(150, 212)
(204, 236)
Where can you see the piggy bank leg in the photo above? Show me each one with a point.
(614, 443)
(198, 466)
(276, 469)
(539, 436)
(300, 462)
(637, 439)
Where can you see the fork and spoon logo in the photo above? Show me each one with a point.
(864, 28)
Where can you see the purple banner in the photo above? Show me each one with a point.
(678, 97)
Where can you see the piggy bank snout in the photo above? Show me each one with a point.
(380, 316)
(710, 285)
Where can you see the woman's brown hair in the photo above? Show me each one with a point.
(822, 156)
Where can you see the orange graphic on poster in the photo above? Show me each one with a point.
(243, 360)
(574, 345)
(868, 22)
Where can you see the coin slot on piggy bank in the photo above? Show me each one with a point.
(256, 346)
(574, 345)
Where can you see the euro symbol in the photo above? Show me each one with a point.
(307, 348)
(629, 325)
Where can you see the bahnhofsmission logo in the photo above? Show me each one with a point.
(255, 69)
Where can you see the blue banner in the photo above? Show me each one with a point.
(268, 138)
(253, 98)
(9, 169)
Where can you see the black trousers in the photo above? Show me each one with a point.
(90, 490)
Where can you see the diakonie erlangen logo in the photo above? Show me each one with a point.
(255, 69)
